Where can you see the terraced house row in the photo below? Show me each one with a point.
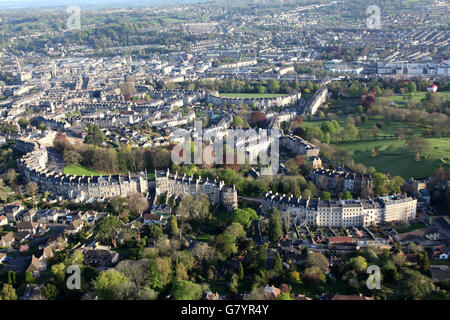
(341, 213)
(179, 185)
(33, 166)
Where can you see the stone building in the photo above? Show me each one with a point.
(33, 166)
(341, 180)
(341, 213)
(173, 184)
(299, 146)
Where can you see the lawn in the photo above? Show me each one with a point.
(80, 171)
(395, 159)
(252, 95)
(204, 238)
(385, 129)
(401, 99)
(411, 227)
(150, 176)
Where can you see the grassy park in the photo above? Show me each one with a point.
(394, 158)
(385, 130)
(401, 99)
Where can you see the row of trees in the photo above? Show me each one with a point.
(111, 160)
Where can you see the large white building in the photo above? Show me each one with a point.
(341, 213)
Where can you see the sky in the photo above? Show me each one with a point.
(20, 4)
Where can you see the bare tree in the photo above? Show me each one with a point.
(32, 188)
(137, 203)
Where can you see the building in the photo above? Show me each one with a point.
(341, 213)
(282, 101)
(33, 166)
(176, 185)
(440, 272)
(341, 180)
(299, 146)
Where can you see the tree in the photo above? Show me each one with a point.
(325, 195)
(173, 225)
(95, 135)
(257, 293)
(24, 123)
(370, 255)
(72, 157)
(275, 231)
(137, 203)
(294, 277)
(258, 118)
(414, 285)
(351, 132)
(277, 264)
(32, 188)
(160, 271)
(186, 290)
(59, 272)
(77, 257)
(193, 208)
(234, 284)
(417, 146)
(10, 176)
(292, 166)
(390, 273)
(127, 88)
(236, 230)
(135, 271)
(155, 231)
(202, 252)
(238, 122)
(4, 191)
(347, 196)
(395, 184)
(109, 285)
(423, 261)
(314, 276)
(117, 204)
(399, 259)
(359, 264)
(8, 292)
(379, 183)
(180, 272)
(284, 296)
(49, 292)
(241, 271)
(225, 245)
(109, 228)
(244, 216)
(316, 259)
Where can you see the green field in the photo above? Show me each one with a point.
(80, 171)
(412, 227)
(395, 159)
(384, 130)
(252, 95)
(401, 99)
